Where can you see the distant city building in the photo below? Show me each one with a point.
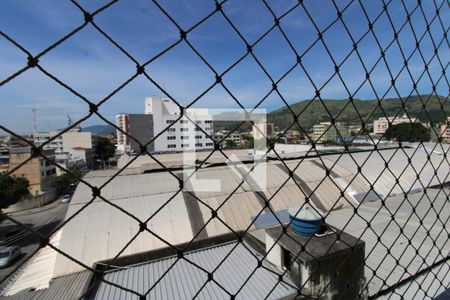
(225, 135)
(123, 141)
(141, 129)
(354, 129)
(81, 157)
(261, 130)
(445, 132)
(270, 129)
(292, 136)
(65, 142)
(183, 135)
(325, 131)
(4, 159)
(382, 124)
(39, 171)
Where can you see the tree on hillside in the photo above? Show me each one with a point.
(12, 189)
(104, 149)
(408, 132)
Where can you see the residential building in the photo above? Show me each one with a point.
(123, 140)
(445, 132)
(81, 157)
(227, 137)
(65, 142)
(39, 171)
(56, 144)
(325, 131)
(183, 134)
(382, 124)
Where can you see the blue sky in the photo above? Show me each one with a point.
(94, 67)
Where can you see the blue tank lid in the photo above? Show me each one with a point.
(305, 212)
(306, 220)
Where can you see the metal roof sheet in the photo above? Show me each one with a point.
(100, 231)
(435, 220)
(184, 280)
(431, 171)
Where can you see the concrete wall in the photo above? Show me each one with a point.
(33, 202)
(77, 139)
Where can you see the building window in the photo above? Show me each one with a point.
(184, 129)
(198, 122)
(42, 174)
(170, 121)
(184, 145)
(208, 121)
(184, 137)
(198, 137)
(199, 145)
(171, 146)
(183, 121)
(209, 144)
(171, 129)
(171, 137)
(197, 129)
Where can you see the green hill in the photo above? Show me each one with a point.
(315, 112)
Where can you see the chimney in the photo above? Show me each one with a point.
(323, 262)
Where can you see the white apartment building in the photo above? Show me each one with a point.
(183, 135)
(382, 124)
(41, 137)
(123, 141)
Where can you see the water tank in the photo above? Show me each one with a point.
(305, 220)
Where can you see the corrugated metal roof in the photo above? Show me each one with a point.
(69, 287)
(141, 195)
(377, 256)
(100, 231)
(384, 179)
(185, 280)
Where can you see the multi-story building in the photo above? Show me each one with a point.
(81, 157)
(382, 124)
(325, 131)
(233, 137)
(65, 142)
(40, 138)
(123, 140)
(141, 129)
(445, 132)
(39, 171)
(62, 145)
(182, 135)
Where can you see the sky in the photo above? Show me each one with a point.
(94, 67)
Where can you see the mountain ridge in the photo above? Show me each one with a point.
(343, 110)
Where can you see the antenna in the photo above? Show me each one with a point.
(34, 118)
(69, 120)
